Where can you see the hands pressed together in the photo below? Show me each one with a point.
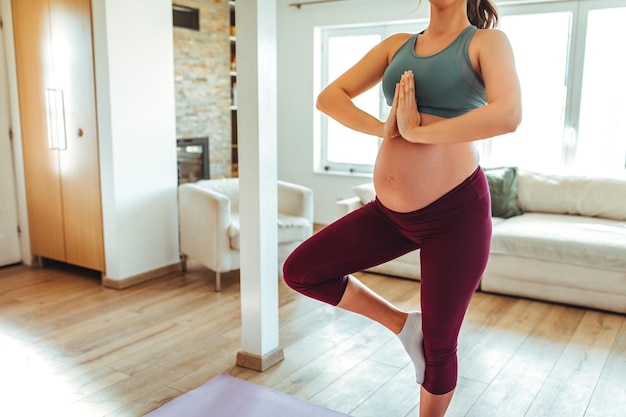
(403, 115)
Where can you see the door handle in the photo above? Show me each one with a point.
(55, 106)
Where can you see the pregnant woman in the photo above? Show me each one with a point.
(448, 86)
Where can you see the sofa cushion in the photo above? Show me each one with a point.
(290, 229)
(563, 238)
(365, 192)
(503, 190)
(587, 286)
(585, 196)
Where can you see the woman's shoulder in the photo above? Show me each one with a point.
(490, 36)
(398, 38)
(394, 42)
(491, 48)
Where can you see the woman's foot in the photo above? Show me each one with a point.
(413, 342)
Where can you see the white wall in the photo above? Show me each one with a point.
(20, 183)
(297, 92)
(134, 53)
(9, 241)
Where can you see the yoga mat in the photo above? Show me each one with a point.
(227, 396)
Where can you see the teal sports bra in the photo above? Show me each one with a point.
(446, 85)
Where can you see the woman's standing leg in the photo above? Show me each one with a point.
(452, 266)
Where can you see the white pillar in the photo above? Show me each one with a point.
(257, 130)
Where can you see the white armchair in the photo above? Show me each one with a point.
(208, 213)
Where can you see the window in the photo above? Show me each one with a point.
(601, 140)
(343, 149)
(348, 147)
(539, 139)
(569, 64)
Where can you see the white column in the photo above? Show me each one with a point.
(257, 130)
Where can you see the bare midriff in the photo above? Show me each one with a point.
(409, 176)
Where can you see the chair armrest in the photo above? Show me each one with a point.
(204, 220)
(295, 200)
(345, 206)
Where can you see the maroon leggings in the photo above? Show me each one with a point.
(453, 234)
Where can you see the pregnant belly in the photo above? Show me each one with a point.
(409, 176)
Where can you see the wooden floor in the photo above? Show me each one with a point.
(70, 347)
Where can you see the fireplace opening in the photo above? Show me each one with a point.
(193, 159)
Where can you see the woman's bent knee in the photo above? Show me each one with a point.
(292, 276)
(304, 279)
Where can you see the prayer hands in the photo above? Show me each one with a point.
(407, 114)
(390, 129)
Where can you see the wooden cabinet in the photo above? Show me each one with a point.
(55, 74)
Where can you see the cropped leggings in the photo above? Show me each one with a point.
(453, 234)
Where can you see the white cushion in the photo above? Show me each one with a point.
(563, 238)
(586, 196)
(226, 186)
(497, 220)
(586, 286)
(365, 192)
(290, 229)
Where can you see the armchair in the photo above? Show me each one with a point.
(208, 213)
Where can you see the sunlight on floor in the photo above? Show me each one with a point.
(30, 385)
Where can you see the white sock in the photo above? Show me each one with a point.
(413, 341)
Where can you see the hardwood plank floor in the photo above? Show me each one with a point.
(70, 347)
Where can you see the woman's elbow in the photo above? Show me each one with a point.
(319, 103)
(331, 98)
(323, 100)
(512, 119)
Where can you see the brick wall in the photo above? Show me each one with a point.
(202, 63)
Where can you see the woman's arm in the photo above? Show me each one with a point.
(336, 99)
(501, 115)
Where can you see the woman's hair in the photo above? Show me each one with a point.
(482, 13)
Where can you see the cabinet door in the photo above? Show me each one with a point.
(34, 74)
(79, 163)
(54, 52)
